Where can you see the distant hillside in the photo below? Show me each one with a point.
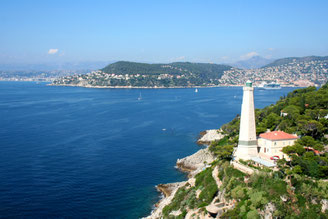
(253, 62)
(175, 68)
(133, 74)
(288, 60)
(293, 71)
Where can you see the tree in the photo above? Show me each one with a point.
(272, 120)
(253, 214)
(309, 156)
(294, 149)
(260, 129)
(297, 169)
(285, 125)
(316, 114)
(232, 128)
(308, 141)
(312, 128)
(292, 111)
(224, 152)
(238, 193)
(258, 199)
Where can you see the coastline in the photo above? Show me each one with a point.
(144, 87)
(192, 164)
(141, 87)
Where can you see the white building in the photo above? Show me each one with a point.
(271, 144)
(247, 145)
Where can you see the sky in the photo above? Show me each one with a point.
(218, 31)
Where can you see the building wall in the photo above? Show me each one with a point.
(247, 120)
(247, 144)
(274, 147)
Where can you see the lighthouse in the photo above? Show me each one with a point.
(247, 144)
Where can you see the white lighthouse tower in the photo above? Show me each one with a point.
(247, 145)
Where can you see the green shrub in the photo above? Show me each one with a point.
(252, 214)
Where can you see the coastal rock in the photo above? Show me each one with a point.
(192, 182)
(157, 213)
(196, 214)
(324, 206)
(284, 198)
(195, 162)
(269, 209)
(168, 188)
(198, 193)
(210, 135)
(175, 213)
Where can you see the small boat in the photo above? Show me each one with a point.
(139, 98)
(196, 90)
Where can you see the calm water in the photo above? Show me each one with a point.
(80, 152)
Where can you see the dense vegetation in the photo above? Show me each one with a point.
(223, 148)
(186, 197)
(269, 193)
(260, 194)
(204, 70)
(177, 74)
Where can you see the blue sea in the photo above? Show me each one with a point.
(86, 153)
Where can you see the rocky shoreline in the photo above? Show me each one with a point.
(192, 164)
(195, 163)
(168, 189)
(210, 135)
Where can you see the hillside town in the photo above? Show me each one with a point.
(100, 78)
(26, 75)
(295, 73)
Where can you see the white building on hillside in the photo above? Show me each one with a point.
(271, 144)
(247, 144)
(268, 147)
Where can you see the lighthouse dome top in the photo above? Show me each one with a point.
(248, 83)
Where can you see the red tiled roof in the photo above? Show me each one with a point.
(277, 135)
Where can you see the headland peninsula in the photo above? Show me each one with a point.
(288, 72)
(297, 187)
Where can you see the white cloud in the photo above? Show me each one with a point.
(271, 49)
(181, 58)
(177, 59)
(52, 51)
(249, 55)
